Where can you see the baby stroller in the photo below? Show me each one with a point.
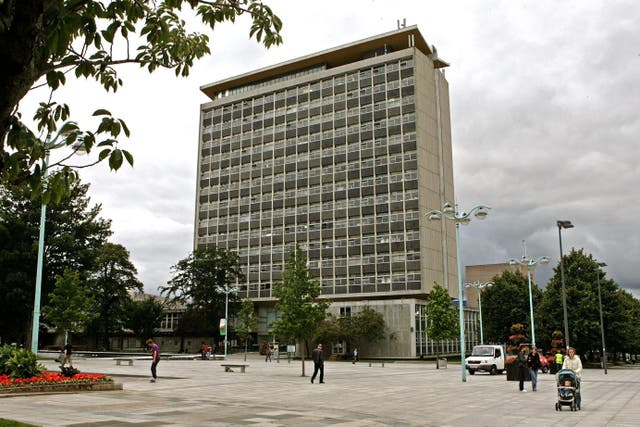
(568, 390)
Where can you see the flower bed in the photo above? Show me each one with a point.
(55, 382)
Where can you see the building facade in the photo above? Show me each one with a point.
(340, 152)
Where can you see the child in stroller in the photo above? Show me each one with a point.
(568, 390)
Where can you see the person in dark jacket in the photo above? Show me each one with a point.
(318, 363)
(521, 363)
(533, 361)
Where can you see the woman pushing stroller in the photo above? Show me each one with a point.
(573, 362)
(568, 378)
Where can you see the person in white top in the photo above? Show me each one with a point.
(572, 361)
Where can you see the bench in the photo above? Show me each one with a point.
(376, 363)
(184, 357)
(129, 360)
(227, 366)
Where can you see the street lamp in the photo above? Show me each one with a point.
(226, 291)
(563, 224)
(479, 285)
(49, 144)
(530, 264)
(604, 351)
(459, 217)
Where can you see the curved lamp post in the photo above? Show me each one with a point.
(563, 224)
(226, 291)
(604, 351)
(49, 144)
(479, 285)
(530, 264)
(452, 213)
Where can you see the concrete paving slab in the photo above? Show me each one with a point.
(201, 393)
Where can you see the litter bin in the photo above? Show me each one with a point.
(442, 363)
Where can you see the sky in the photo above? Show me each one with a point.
(545, 111)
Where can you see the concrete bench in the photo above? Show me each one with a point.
(129, 360)
(227, 366)
(376, 363)
(184, 357)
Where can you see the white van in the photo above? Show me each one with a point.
(488, 358)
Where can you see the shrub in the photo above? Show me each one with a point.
(5, 353)
(23, 364)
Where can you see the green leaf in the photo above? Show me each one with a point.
(128, 156)
(115, 159)
(101, 112)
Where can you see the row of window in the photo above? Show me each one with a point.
(379, 218)
(396, 196)
(364, 76)
(311, 108)
(364, 111)
(338, 164)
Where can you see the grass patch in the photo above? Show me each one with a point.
(12, 423)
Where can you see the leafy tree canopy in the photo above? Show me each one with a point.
(74, 231)
(507, 303)
(143, 315)
(199, 281)
(112, 280)
(70, 304)
(43, 42)
(582, 273)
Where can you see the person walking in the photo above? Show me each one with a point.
(521, 363)
(558, 360)
(318, 363)
(355, 355)
(66, 355)
(155, 358)
(533, 361)
(268, 354)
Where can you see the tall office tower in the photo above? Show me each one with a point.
(340, 152)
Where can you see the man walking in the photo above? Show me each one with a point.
(318, 364)
(521, 363)
(533, 360)
(155, 358)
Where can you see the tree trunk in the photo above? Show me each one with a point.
(19, 41)
(437, 360)
(245, 350)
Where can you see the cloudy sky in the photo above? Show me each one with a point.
(545, 106)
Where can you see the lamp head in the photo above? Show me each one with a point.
(482, 212)
(448, 208)
(433, 216)
(602, 264)
(564, 224)
(544, 260)
(513, 261)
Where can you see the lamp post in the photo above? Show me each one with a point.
(604, 351)
(563, 224)
(530, 264)
(479, 285)
(452, 213)
(226, 291)
(49, 144)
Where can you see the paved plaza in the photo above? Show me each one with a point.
(200, 393)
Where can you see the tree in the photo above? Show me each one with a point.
(42, 42)
(507, 303)
(112, 279)
(298, 307)
(74, 231)
(199, 281)
(70, 308)
(442, 322)
(143, 315)
(365, 326)
(246, 323)
(620, 309)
